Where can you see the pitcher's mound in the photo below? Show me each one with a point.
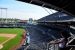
(1, 46)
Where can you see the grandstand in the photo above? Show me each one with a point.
(58, 19)
(8, 22)
(59, 22)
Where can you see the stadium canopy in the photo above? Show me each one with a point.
(66, 6)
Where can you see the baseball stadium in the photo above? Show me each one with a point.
(37, 25)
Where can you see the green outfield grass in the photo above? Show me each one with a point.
(2, 39)
(14, 41)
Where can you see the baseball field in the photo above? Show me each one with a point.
(10, 37)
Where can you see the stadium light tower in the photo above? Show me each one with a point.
(2, 12)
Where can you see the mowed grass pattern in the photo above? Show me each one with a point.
(2, 39)
(15, 40)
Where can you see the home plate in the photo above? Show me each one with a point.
(1, 46)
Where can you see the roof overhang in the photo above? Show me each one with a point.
(66, 6)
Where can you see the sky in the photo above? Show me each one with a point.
(22, 10)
